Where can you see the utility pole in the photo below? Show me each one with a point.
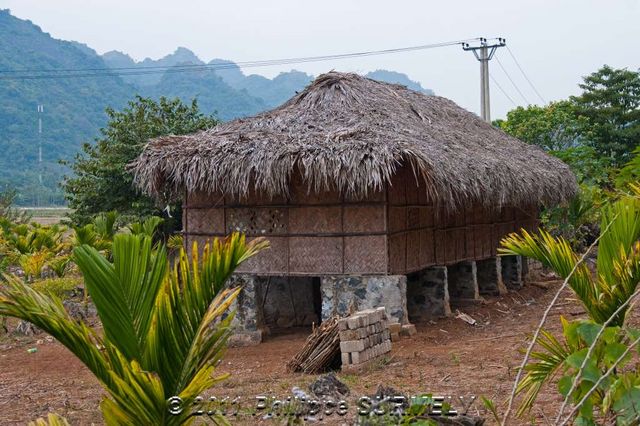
(40, 111)
(483, 53)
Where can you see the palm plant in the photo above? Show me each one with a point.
(147, 227)
(602, 294)
(164, 328)
(87, 235)
(105, 225)
(617, 269)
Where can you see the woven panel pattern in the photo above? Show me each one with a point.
(262, 221)
(313, 254)
(321, 234)
(365, 254)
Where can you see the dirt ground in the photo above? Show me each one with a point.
(447, 357)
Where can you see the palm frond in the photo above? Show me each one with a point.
(557, 254)
(164, 329)
(46, 312)
(51, 420)
(124, 292)
(192, 289)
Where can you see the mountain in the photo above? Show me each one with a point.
(272, 91)
(74, 106)
(398, 78)
(213, 94)
(182, 56)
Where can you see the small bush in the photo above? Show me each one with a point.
(60, 287)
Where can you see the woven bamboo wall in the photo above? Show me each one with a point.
(310, 233)
(328, 234)
(422, 234)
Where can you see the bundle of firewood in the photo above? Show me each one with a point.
(320, 350)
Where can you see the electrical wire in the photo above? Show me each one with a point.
(41, 74)
(502, 90)
(512, 82)
(525, 75)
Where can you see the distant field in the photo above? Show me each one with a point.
(47, 215)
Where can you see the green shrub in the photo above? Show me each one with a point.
(59, 287)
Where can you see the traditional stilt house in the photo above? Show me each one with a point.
(370, 194)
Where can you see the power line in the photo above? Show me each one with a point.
(484, 51)
(502, 90)
(512, 82)
(525, 75)
(40, 74)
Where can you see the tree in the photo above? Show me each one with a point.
(560, 130)
(164, 326)
(553, 127)
(630, 173)
(101, 180)
(610, 103)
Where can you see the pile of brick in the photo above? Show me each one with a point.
(364, 337)
(397, 330)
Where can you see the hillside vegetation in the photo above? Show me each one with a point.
(74, 108)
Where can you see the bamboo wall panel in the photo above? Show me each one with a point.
(364, 219)
(397, 191)
(365, 255)
(315, 220)
(300, 195)
(413, 251)
(271, 261)
(256, 221)
(312, 254)
(206, 220)
(397, 253)
(325, 233)
(397, 219)
(427, 253)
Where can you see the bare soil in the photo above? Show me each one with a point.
(446, 357)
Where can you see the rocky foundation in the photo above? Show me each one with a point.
(268, 303)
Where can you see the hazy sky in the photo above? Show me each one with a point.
(556, 42)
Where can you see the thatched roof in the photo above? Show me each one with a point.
(348, 132)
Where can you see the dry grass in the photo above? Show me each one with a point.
(351, 133)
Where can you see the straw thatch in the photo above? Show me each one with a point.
(348, 132)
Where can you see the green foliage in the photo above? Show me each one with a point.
(589, 167)
(610, 103)
(73, 108)
(164, 328)
(33, 247)
(605, 297)
(105, 225)
(59, 287)
(576, 222)
(554, 127)
(147, 227)
(630, 173)
(175, 242)
(491, 407)
(618, 261)
(8, 212)
(51, 420)
(102, 181)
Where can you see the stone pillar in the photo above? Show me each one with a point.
(248, 322)
(343, 295)
(463, 283)
(512, 272)
(525, 269)
(428, 294)
(489, 275)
